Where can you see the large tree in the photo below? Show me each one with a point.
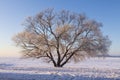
(60, 37)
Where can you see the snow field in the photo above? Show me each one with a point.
(29, 69)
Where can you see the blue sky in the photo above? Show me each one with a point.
(14, 12)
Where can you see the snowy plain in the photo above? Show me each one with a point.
(32, 69)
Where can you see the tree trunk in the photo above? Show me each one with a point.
(58, 66)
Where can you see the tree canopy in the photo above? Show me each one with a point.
(60, 37)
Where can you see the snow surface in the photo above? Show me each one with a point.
(31, 69)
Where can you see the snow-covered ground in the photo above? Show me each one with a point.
(30, 69)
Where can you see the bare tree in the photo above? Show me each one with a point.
(61, 37)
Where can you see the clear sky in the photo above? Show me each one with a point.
(14, 12)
